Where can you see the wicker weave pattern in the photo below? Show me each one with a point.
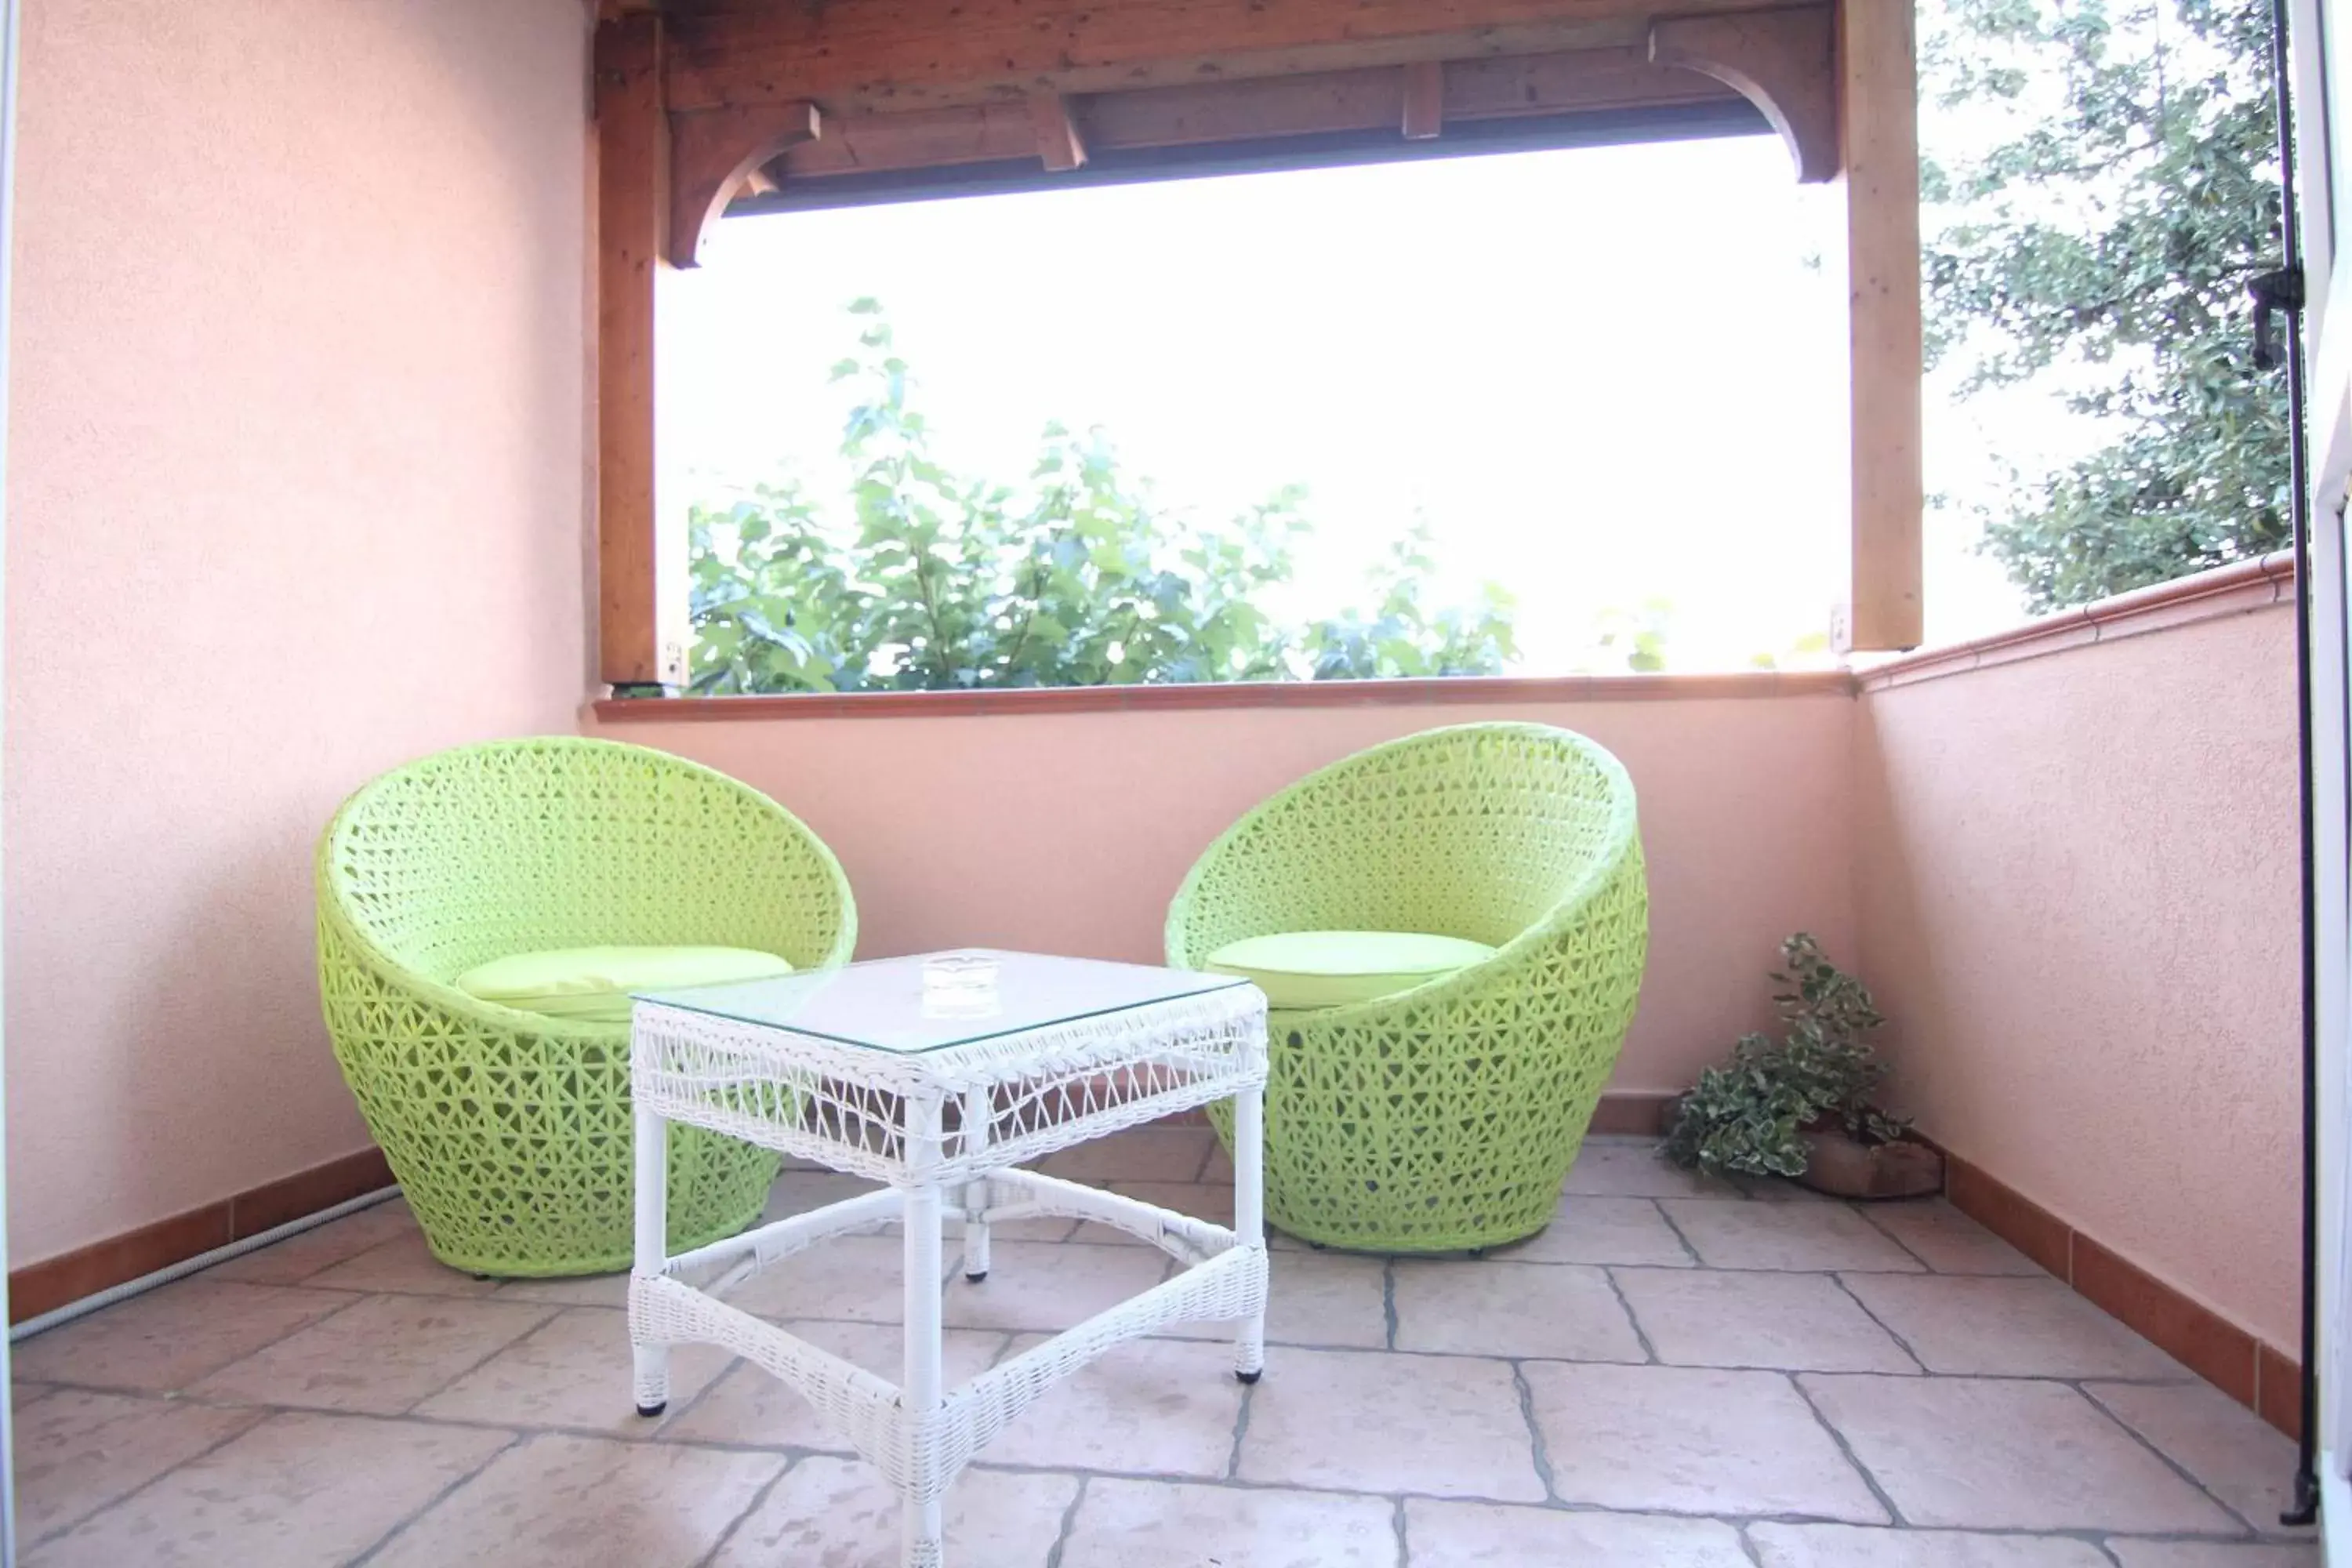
(1445, 1117)
(1047, 1088)
(510, 1132)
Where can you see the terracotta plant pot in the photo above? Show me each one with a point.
(1842, 1168)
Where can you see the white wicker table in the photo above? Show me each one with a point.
(938, 1076)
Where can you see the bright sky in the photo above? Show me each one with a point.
(1608, 376)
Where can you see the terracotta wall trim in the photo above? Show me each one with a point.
(2265, 1380)
(2234, 589)
(58, 1282)
(1449, 690)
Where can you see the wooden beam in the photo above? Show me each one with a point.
(1059, 145)
(632, 181)
(1879, 102)
(1255, 109)
(1782, 61)
(713, 151)
(1423, 116)
(885, 55)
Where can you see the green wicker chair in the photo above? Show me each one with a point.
(510, 1132)
(1444, 1117)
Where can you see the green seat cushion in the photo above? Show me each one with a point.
(1304, 969)
(593, 983)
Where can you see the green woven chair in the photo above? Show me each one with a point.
(1444, 1117)
(510, 1132)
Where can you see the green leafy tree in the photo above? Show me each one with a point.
(1077, 578)
(2108, 237)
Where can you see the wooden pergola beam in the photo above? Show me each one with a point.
(1059, 146)
(1878, 101)
(1424, 115)
(874, 58)
(1784, 61)
(640, 634)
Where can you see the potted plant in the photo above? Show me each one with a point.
(1802, 1107)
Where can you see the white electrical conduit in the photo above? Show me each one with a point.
(146, 1282)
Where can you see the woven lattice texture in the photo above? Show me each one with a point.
(1447, 1116)
(847, 1107)
(922, 1455)
(510, 1132)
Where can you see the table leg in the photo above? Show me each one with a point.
(977, 1109)
(1249, 1217)
(652, 1250)
(920, 1391)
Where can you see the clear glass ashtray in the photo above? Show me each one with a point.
(959, 985)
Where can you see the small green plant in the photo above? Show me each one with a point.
(1750, 1117)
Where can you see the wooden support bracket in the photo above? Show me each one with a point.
(1059, 145)
(713, 151)
(1425, 100)
(1784, 61)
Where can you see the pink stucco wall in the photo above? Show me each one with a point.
(295, 493)
(1069, 833)
(2076, 895)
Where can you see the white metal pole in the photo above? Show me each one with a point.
(10, 38)
(1249, 1217)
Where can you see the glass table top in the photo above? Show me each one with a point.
(930, 1001)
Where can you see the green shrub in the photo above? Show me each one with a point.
(1749, 1116)
(1075, 578)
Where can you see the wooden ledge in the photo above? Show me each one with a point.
(1445, 691)
(2234, 589)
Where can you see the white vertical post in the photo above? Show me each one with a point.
(978, 1105)
(921, 1392)
(9, 23)
(653, 1254)
(1249, 1217)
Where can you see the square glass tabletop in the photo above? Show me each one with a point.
(930, 1001)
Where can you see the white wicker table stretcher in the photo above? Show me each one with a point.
(938, 1076)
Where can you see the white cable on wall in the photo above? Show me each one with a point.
(146, 1282)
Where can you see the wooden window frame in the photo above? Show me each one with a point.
(704, 107)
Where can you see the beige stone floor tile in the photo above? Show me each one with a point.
(2212, 1555)
(1499, 1535)
(171, 1337)
(1329, 1298)
(1690, 1440)
(2232, 1453)
(404, 1264)
(1744, 1235)
(567, 1502)
(1780, 1190)
(1165, 1524)
(573, 1290)
(749, 1407)
(379, 1356)
(1163, 1407)
(298, 1257)
(2002, 1454)
(1851, 1546)
(296, 1491)
(573, 1370)
(1463, 1307)
(1045, 1286)
(838, 1513)
(1604, 1230)
(77, 1452)
(1794, 1322)
(2008, 1327)
(798, 1191)
(1630, 1168)
(857, 1278)
(1139, 1154)
(1947, 1240)
(1368, 1421)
